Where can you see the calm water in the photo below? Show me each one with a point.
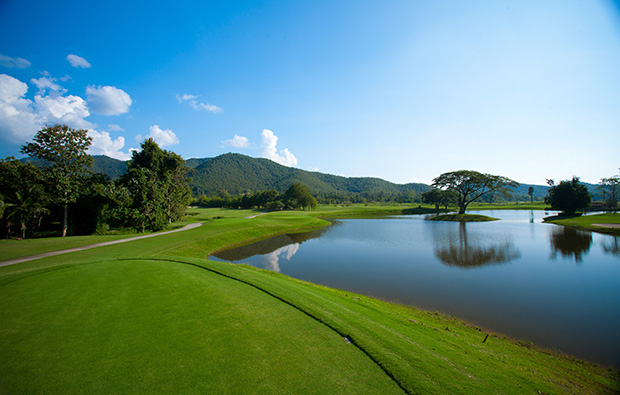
(555, 286)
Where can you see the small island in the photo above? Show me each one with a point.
(462, 218)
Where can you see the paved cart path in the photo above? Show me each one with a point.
(88, 247)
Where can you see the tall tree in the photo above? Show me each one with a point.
(611, 187)
(157, 183)
(470, 185)
(530, 191)
(21, 184)
(65, 150)
(27, 206)
(568, 196)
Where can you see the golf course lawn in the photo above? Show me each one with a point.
(607, 223)
(163, 327)
(155, 316)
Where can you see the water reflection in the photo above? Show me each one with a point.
(613, 247)
(271, 261)
(466, 252)
(271, 250)
(570, 242)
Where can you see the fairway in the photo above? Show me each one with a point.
(154, 316)
(165, 327)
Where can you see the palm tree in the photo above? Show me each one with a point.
(27, 206)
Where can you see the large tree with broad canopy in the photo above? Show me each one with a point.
(471, 185)
(65, 149)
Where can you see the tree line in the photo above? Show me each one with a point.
(66, 196)
(460, 188)
(296, 197)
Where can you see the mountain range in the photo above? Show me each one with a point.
(236, 174)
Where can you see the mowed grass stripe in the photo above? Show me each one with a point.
(162, 327)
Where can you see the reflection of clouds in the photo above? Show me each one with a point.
(271, 261)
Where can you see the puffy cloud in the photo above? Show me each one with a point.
(107, 100)
(161, 137)
(237, 142)
(70, 110)
(21, 118)
(103, 144)
(18, 118)
(269, 150)
(78, 61)
(17, 63)
(191, 100)
(47, 82)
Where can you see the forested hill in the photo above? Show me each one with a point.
(236, 173)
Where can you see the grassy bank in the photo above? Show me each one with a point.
(606, 223)
(155, 316)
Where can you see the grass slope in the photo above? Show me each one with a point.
(145, 326)
(155, 315)
(589, 222)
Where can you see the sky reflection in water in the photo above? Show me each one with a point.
(555, 286)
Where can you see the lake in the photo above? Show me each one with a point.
(557, 287)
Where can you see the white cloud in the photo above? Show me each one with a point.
(269, 150)
(78, 61)
(237, 142)
(18, 63)
(191, 99)
(18, 118)
(103, 144)
(47, 82)
(70, 110)
(208, 107)
(108, 100)
(21, 118)
(162, 137)
(186, 97)
(115, 128)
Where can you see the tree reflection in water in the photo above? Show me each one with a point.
(471, 253)
(612, 248)
(570, 242)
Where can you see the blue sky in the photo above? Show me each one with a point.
(401, 90)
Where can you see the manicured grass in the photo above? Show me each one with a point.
(144, 326)
(155, 316)
(462, 218)
(589, 222)
(11, 249)
(507, 206)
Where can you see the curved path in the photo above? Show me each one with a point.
(88, 247)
